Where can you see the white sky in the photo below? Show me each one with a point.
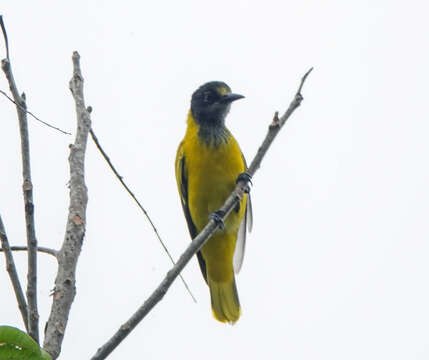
(337, 265)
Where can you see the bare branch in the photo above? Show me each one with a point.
(202, 237)
(34, 116)
(276, 125)
(106, 157)
(3, 29)
(41, 249)
(303, 81)
(121, 179)
(65, 290)
(11, 269)
(27, 187)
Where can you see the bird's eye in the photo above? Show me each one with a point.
(208, 97)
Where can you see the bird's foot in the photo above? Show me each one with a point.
(245, 176)
(217, 217)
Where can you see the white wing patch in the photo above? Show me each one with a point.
(240, 246)
(249, 214)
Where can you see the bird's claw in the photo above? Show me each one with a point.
(217, 217)
(245, 176)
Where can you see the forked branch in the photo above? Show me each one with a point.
(65, 290)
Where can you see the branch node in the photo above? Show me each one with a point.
(125, 326)
(75, 57)
(27, 185)
(5, 65)
(276, 121)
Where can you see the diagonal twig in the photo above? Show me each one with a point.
(65, 290)
(11, 269)
(106, 157)
(27, 187)
(34, 116)
(3, 29)
(203, 236)
(120, 178)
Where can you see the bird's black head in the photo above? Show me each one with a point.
(211, 102)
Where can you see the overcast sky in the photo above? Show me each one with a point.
(337, 265)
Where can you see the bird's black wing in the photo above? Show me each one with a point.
(184, 197)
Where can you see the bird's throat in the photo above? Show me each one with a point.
(213, 134)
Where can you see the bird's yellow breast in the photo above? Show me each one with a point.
(212, 173)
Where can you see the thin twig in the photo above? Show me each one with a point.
(34, 116)
(41, 249)
(106, 157)
(11, 269)
(302, 83)
(27, 187)
(121, 179)
(3, 29)
(65, 290)
(200, 240)
(276, 125)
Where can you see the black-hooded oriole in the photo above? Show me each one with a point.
(207, 165)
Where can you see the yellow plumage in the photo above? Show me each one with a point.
(206, 173)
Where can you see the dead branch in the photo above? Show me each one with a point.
(65, 290)
(27, 188)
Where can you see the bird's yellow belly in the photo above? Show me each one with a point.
(212, 174)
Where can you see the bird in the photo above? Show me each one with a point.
(208, 163)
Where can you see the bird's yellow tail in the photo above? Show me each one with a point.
(224, 298)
